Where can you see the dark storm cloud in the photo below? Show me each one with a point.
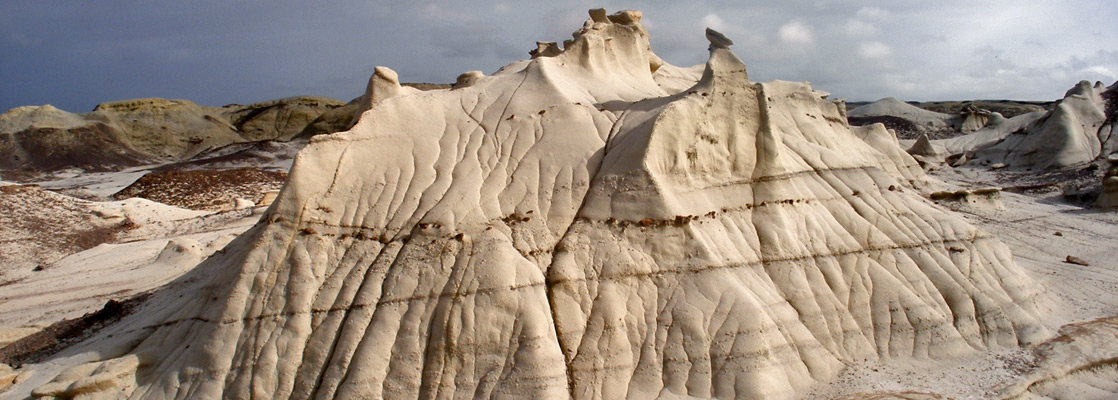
(74, 54)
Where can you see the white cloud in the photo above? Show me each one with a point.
(502, 8)
(859, 28)
(441, 14)
(20, 39)
(1102, 70)
(873, 13)
(713, 21)
(796, 32)
(874, 50)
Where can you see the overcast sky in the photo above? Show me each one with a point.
(75, 54)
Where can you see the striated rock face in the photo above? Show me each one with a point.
(1108, 133)
(567, 227)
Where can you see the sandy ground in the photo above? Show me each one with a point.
(93, 185)
(47, 277)
(84, 281)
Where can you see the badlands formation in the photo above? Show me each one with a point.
(1076, 130)
(589, 223)
(142, 131)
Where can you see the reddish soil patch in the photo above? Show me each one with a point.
(204, 189)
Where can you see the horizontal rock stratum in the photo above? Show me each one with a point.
(567, 227)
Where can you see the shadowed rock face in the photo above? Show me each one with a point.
(92, 147)
(568, 228)
(1108, 198)
(281, 119)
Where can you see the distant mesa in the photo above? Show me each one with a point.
(122, 134)
(282, 119)
(142, 131)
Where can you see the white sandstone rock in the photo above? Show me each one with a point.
(383, 84)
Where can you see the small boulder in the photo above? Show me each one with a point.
(1077, 261)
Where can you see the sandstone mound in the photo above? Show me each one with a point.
(897, 108)
(567, 227)
(907, 120)
(166, 128)
(1077, 130)
(1080, 363)
(925, 152)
